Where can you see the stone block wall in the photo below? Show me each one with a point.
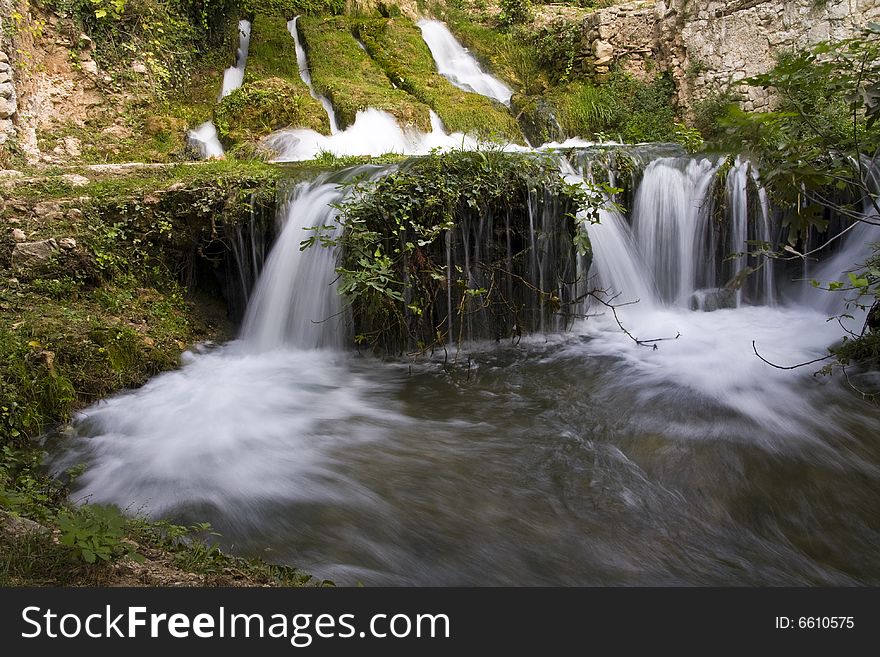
(8, 95)
(706, 44)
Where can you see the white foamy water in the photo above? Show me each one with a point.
(234, 75)
(457, 65)
(205, 140)
(373, 132)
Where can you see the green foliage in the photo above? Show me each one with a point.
(829, 100)
(23, 489)
(394, 270)
(514, 12)
(95, 533)
(398, 48)
(690, 138)
(709, 112)
(558, 46)
(33, 390)
(633, 110)
(589, 109)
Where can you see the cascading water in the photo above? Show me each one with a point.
(692, 463)
(373, 132)
(295, 302)
(234, 75)
(303, 65)
(204, 138)
(458, 66)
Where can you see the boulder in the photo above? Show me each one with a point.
(75, 180)
(27, 255)
(711, 299)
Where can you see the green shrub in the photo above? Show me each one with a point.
(514, 12)
(95, 533)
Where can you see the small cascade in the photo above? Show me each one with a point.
(677, 250)
(234, 75)
(668, 213)
(457, 65)
(295, 303)
(206, 141)
(856, 245)
(303, 65)
(204, 138)
(373, 132)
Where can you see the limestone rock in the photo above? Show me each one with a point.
(139, 67)
(67, 243)
(5, 77)
(6, 89)
(602, 49)
(27, 255)
(4, 58)
(73, 146)
(7, 108)
(75, 180)
(46, 208)
(90, 66)
(18, 235)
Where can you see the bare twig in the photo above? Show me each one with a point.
(789, 367)
(613, 308)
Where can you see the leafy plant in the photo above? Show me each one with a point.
(398, 272)
(514, 12)
(96, 532)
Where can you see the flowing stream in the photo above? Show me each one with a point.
(566, 458)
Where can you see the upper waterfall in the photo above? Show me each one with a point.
(458, 66)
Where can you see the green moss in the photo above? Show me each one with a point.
(258, 108)
(397, 46)
(352, 81)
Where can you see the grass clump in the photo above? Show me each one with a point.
(397, 46)
(352, 81)
(624, 108)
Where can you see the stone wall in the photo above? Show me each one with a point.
(707, 44)
(8, 95)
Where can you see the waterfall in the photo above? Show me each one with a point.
(458, 66)
(303, 65)
(667, 214)
(856, 245)
(295, 302)
(204, 138)
(234, 75)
